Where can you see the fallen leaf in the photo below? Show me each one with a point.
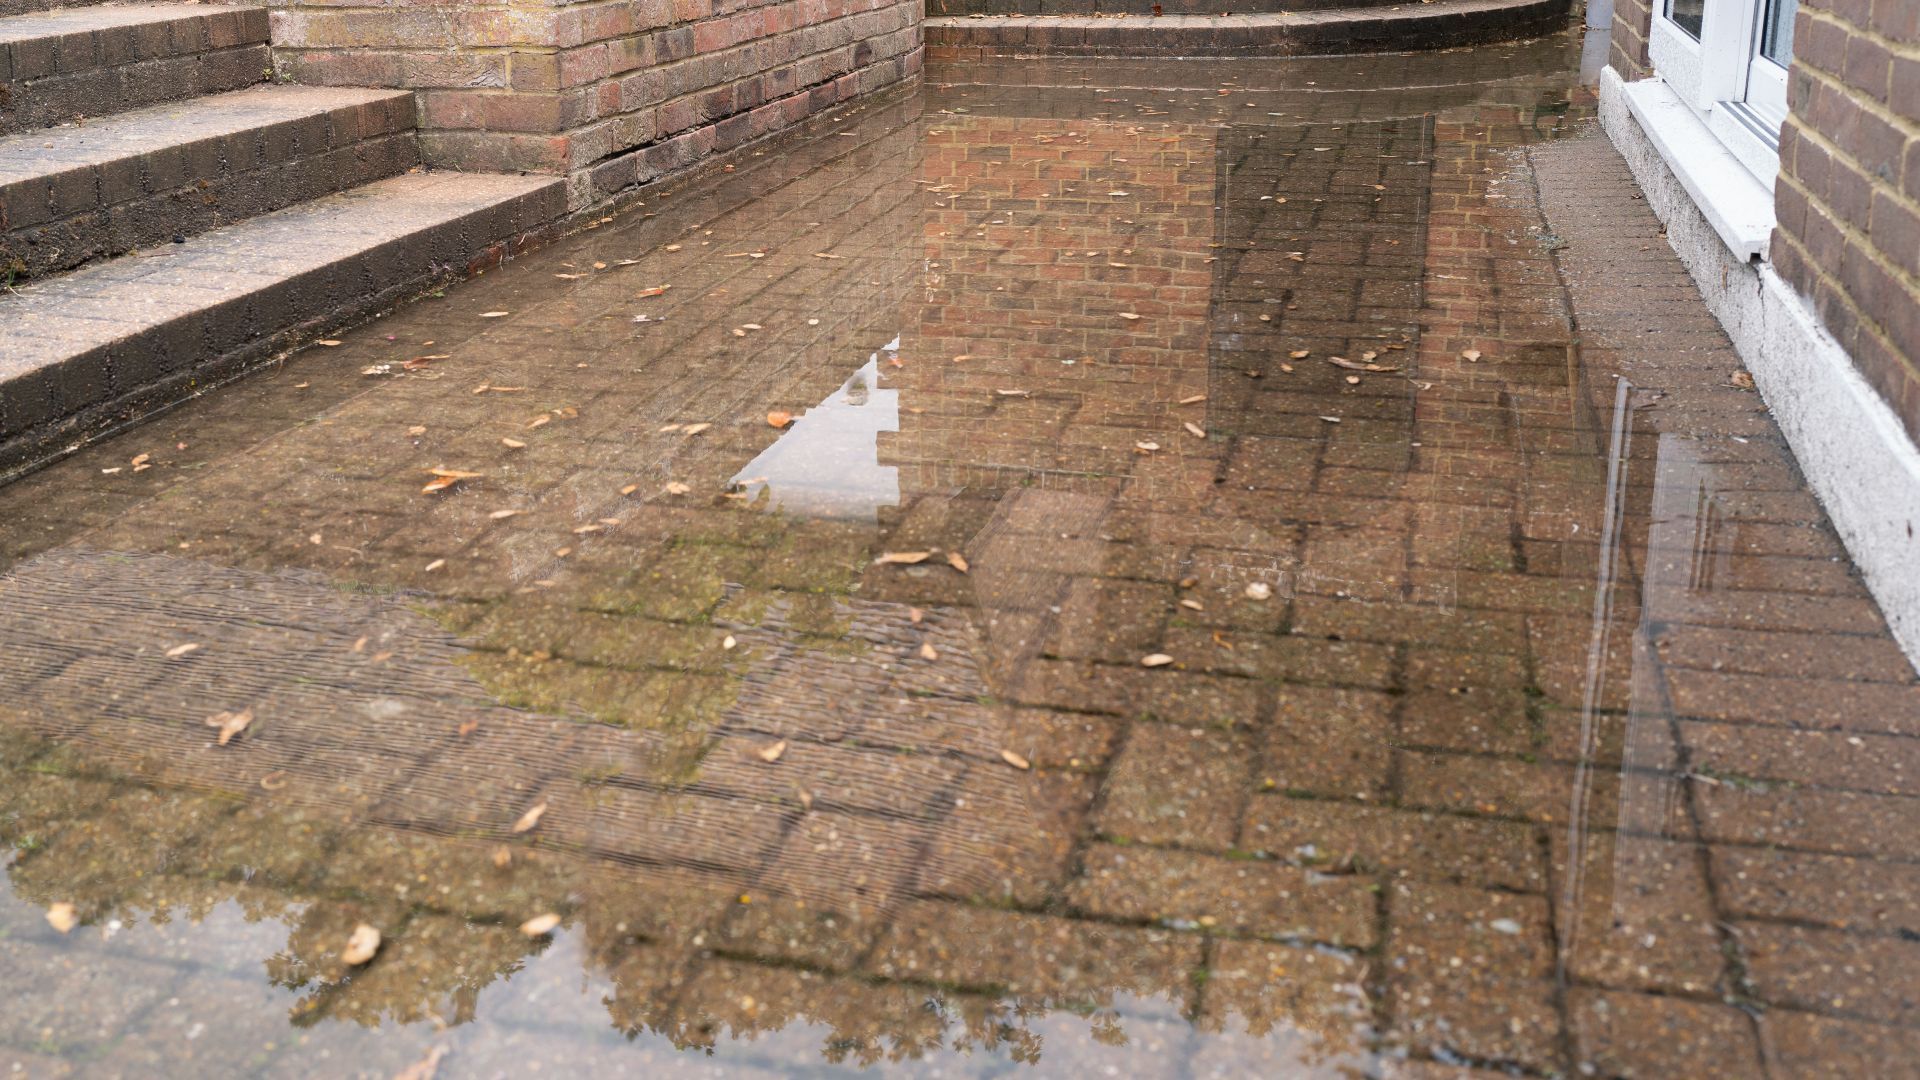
(694, 429)
(957, 561)
(915, 615)
(361, 946)
(729, 642)
(1195, 430)
(328, 342)
(512, 444)
(675, 487)
(230, 724)
(1259, 590)
(425, 1068)
(274, 780)
(927, 652)
(1472, 356)
(503, 856)
(540, 925)
(1014, 393)
(771, 754)
(1742, 380)
(1129, 316)
(903, 557)
(1355, 365)
(631, 488)
(1192, 604)
(529, 819)
(1146, 447)
(1299, 354)
(779, 418)
(539, 421)
(589, 527)
(1158, 659)
(62, 916)
(182, 650)
(502, 515)
(1015, 760)
(493, 314)
(434, 565)
(466, 728)
(1194, 400)
(1331, 419)
(656, 290)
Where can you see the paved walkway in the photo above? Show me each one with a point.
(932, 599)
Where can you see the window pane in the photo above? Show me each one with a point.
(1776, 31)
(1687, 14)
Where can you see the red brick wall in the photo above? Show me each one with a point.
(1631, 21)
(610, 92)
(1849, 191)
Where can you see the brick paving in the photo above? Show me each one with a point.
(1521, 717)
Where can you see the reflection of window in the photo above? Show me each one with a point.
(1688, 15)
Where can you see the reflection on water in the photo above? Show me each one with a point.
(828, 465)
(1099, 680)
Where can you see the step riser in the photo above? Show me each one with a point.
(53, 223)
(1308, 33)
(80, 70)
(235, 321)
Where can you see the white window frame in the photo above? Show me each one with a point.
(1739, 94)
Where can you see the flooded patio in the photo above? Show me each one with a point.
(1087, 568)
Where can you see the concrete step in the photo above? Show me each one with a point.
(24, 7)
(60, 66)
(72, 194)
(1361, 27)
(92, 350)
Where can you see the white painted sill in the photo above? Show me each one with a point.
(1733, 200)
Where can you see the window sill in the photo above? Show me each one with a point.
(1734, 201)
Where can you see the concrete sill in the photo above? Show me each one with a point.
(1735, 203)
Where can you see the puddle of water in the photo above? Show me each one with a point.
(1095, 679)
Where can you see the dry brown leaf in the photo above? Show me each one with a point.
(903, 558)
(230, 724)
(958, 561)
(182, 650)
(425, 1068)
(492, 314)
(915, 615)
(654, 291)
(1195, 430)
(1146, 447)
(502, 515)
(1158, 659)
(771, 754)
(1015, 760)
(539, 421)
(417, 430)
(928, 652)
(589, 527)
(1472, 356)
(466, 728)
(694, 429)
(1299, 354)
(512, 444)
(1742, 380)
(540, 925)
(529, 819)
(435, 565)
(631, 488)
(1194, 400)
(729, 643)
(503, 856)
(1014, 393)
(675, 487)
(1130, 316)
(328, 342)
(1259, 590)
(779, 418)
(364, 942)
(62, 916)
(1355, 365)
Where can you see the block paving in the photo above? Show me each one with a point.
(1519, 712)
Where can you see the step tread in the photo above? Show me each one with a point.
(51, 321)
(50, 151)
(63, 21)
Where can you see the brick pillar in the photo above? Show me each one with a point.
(610, 93)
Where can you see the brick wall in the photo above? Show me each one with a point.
(611, 93)
(1848, 194)
(1848, 197)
